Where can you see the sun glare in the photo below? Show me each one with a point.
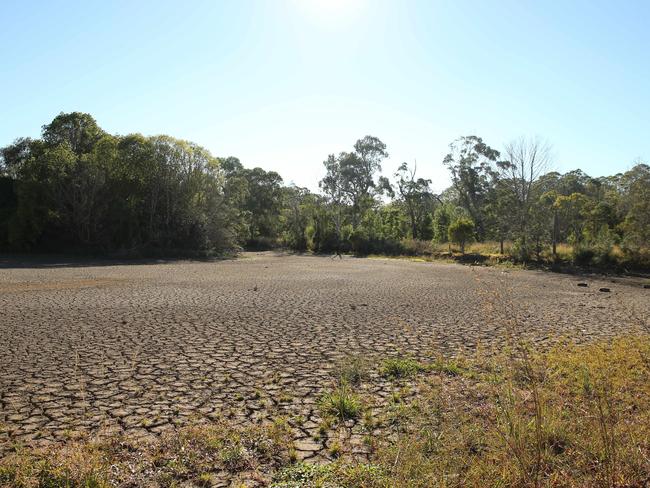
(331, 8)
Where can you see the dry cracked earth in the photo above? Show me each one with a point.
(141, 348)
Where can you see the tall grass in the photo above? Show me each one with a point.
(566, 254)
(574, 416)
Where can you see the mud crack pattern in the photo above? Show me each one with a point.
(142, 348)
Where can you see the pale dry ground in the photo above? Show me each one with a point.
(144, 347)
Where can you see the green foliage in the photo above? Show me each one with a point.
(636, 202)
(340, 403)
(352, 370)
(583, 255)
(302, 475)
(418, 201)
(78, 188)
(461, 231)
(441, 220)
(400, 367)
(8, 202)
(414, 247)
(471, 164)
(450, 368)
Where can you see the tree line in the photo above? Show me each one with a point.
(78, 188)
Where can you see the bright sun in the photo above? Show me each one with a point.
(328, 4)
(331, 8)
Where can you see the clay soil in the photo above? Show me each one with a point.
(143, 348)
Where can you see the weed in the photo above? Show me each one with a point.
(204, 479)
(233, 457)
(450, 368)
(301, 475)
(368, 421)
(293, 455)
(335, 450)
(285, 398)
(324, 426)
(341, 404)
(352, 370)
(400, 367)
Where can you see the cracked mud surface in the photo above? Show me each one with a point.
(142, 348)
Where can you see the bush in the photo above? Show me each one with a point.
(416, 247)
(294, 240)
(636, 257)
(441, 219)
(583, 255)
(360, 241)
(520, 251)
(461, 231)
(262, 243)
(603, 246)
(322, 238)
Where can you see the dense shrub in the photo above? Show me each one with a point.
(583, 255)
(262, 243)
(416, 247)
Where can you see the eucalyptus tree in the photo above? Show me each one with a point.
(471, 163)
(256, 196)
(635, 206)
(526, 161)
(356, 175)
(297, 213)
(263, 201)
(333, 186)
(418, 200)
(76, 129)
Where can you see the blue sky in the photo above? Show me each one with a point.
(283, 83)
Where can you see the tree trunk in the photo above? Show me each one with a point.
(555, 224)
(413, 226)
(501, 246)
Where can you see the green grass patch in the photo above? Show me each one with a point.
(450, 368)
(400, 367)
(341, 404)
(352, 370)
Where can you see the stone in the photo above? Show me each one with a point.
(307, 445)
